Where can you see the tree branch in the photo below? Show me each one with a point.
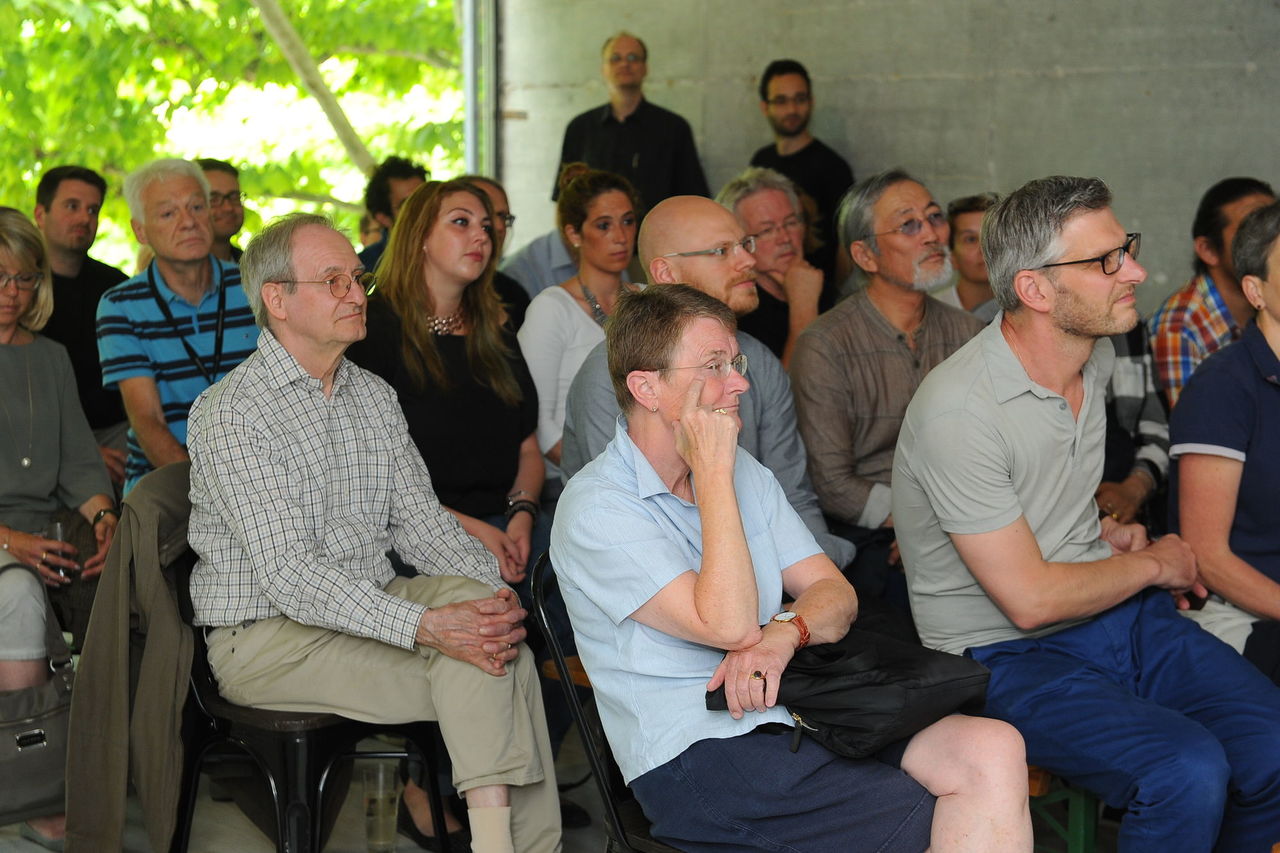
(319, 198)
(435, 58)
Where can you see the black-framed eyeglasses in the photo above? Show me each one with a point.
(747, 244)
(24, 281)
(792, 224)
(340, 284)
(720, 368)
(1109, 261)
(219, 199)
(508, 219)
(799, 99)
(915, 224)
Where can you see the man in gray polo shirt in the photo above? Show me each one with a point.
(1006, 557)
(692, 240)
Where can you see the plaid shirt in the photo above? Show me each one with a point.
(1191, 325)
(1136, 406)
(296, 498)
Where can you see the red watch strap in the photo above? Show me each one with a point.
(803, 628)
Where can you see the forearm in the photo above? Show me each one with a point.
(1077, 590)
(158, 443)
(531, 472)
(829, 608)
(90, 508)
(553, 453)
(724, 595)
(1238, 582)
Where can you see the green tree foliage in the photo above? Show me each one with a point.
(102, 82)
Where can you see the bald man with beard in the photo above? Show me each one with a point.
(692, 240)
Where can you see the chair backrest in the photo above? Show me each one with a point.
(612, 790)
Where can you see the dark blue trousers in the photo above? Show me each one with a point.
(751, 792)
(1156, 716)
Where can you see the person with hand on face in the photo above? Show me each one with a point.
(674, 549)
(303, 479)
(48, 462)
(789, 287)
(597, 214)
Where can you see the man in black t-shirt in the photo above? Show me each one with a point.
(821, 174)
(68, 199)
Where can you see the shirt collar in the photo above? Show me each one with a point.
(647, 482)
(605, 113)
(1214, 297)
(283, 369)
(1264, 358)
(167, 293)
(1009, 378)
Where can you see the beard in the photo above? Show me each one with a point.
(791, 130)
(926, 281)
(1072, 316)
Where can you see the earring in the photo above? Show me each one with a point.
(653, 409)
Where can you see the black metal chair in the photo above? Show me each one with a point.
(625, 823)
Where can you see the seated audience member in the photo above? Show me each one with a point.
(971, 291)
(170, 332)
(68, 199)
(49, 463)
(1009, 563)
(388, 187)
(856, 367)
(693, 240)
(370, 230)
(821, 175)
(1226, 439)
(651, 147)
(1210, 311)
(596, 212)
(515, 301)
(789, 287)
(303, 477)
(674, 549)
(1136, 461)
(226, 208)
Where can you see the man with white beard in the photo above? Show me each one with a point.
(857, 366)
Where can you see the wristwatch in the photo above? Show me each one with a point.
(793, 618)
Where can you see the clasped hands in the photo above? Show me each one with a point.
(743, 690)
(483, 632)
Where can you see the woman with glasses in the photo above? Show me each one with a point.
(597, 215)
(49, 462)
(437, 334)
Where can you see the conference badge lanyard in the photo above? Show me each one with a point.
(173, 323)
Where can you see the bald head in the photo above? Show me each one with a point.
(688, 223)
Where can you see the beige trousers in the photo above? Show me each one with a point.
(494, 728)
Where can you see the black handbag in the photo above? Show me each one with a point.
(34, 723)
(866, 691)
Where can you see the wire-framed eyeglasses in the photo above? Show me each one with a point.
(339, 284)
(1109, 261)
(747, 244)
(24, 281)
(915, 224)
(720, 367)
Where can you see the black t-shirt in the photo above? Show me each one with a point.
(469, 438)
(769, 323)
(74, 325)
(824, 176)
(514, 298)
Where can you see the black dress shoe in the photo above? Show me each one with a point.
(572, 815)
(459, 841)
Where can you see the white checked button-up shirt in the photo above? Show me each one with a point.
(296, 499)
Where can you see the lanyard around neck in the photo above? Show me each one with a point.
(168, 315)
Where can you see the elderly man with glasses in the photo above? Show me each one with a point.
(1008, 561)
(856, 367)
(694, 241)
(303, 478)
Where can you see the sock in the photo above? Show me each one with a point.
(491, 829)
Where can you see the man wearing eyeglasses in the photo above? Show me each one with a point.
(177, 327)
(692, 240)
(1008, 561)
(303, 477)
(629, 136)
(856, 367)
(226, 208)
(823, 176)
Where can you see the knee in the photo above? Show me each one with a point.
(22, 615)
(1192, 779)
(439, 590)
(969, 754)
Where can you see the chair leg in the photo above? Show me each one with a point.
(424, 737)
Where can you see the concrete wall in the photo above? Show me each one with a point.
(1160, 98)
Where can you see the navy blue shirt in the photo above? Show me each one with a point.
(1231, 408)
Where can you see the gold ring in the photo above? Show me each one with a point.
(721, 411)
(1114, 516)
(757, 676)
(43, 554)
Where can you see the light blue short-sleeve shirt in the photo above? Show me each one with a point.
(619, 537)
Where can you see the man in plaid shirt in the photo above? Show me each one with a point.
(1210, 310)
(303, 477)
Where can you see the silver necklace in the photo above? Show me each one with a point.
(596, 311)
(31, 418)
(445, 325)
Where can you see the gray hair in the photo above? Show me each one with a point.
(158, 170)
(1023, 230)
(1253, 241)
(855, 217)
(269, 257)
(756, 179)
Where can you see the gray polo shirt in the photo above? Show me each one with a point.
(982, 444)
(768, 432)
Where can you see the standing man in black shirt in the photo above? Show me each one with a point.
(68, 199)
(820, 173)
(649, 146)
